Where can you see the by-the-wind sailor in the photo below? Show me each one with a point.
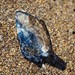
(33, 37)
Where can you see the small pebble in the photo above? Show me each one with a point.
(0, 24)
(73, 9)
(1, 38)
(73, 32)
(54, 0)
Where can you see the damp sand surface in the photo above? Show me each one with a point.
(59, 17)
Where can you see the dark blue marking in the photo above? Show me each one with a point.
(30, 40)
(26, 41)
(32, 58)
(18, 23)
(23, 38)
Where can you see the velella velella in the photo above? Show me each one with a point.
(34, 39)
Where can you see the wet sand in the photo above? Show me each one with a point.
(59, 17)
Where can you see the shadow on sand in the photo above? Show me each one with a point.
(54, 60)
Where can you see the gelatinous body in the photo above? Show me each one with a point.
(33, 36)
